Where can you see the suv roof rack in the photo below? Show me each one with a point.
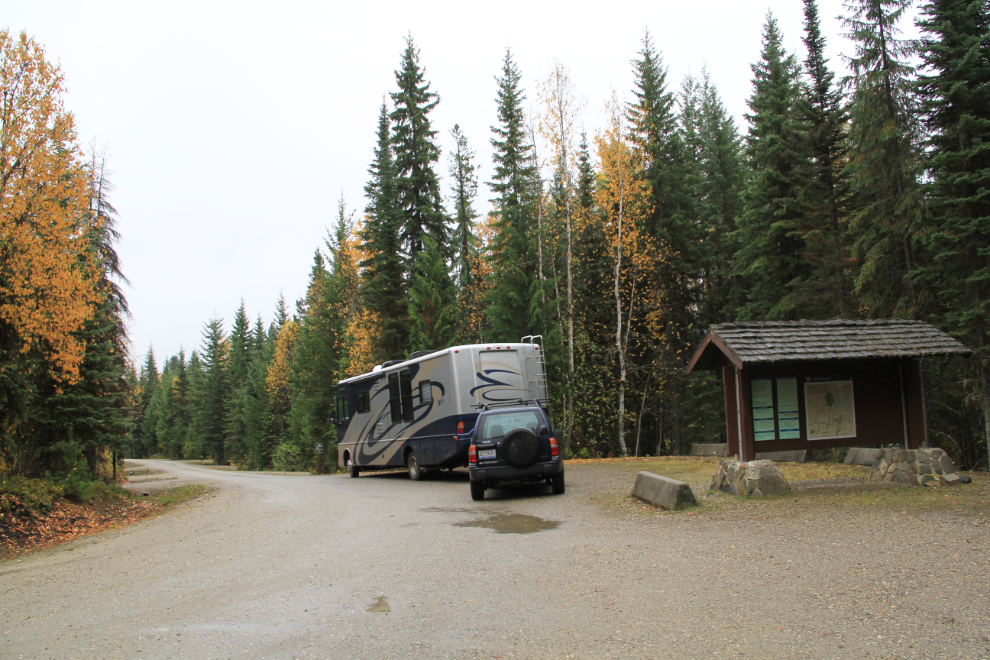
(541, 403)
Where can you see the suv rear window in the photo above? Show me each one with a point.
(498, 424)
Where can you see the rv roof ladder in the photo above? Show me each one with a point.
(539, 380)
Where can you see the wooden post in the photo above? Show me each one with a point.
(731, 413)
(747, 449)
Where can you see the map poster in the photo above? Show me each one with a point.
(763, 426)
(829, 407)
(788, 417)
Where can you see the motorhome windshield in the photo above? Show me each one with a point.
(496, 425)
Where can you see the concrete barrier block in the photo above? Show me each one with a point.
(863, 456)
(664, 492)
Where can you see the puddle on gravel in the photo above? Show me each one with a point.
(512, 523)
(380, 605)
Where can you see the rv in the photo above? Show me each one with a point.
(420, 413)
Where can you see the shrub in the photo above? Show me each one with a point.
(286, 457)
(20, 495)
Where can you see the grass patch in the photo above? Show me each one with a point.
(682, 468)
(814, 486)
(178, 495)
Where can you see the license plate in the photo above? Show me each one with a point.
(486, 454)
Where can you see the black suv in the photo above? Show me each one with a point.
(513, 446)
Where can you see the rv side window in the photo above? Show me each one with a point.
(425, 391)
(342, 408)
(405, 386)
(363, 402)
(393, 398)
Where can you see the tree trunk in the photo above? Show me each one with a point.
(618, 331)
(567, 215)
(926, 440)
(659, 419)
(984, 382)
(642, 405)
(985, 386)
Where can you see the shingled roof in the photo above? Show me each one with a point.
(837, 339)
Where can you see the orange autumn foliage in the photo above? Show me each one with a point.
(46, 292)
(277, 380)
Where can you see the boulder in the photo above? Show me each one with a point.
(663, 492)
(760, 477)
(915, 467)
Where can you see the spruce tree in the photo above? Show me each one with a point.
(718, 188)
(142, 433)
(828, 291)
(884, 164)
(654, 132)
(178, 427)
(432, 300)
(236, 432)
(88, 416)
(322, 333)
(592, 256)
(464, 182)
(384, 270)
(659, 143)
(193, 446)
(955, 95)
(513, 253)
(281, 315)
(416, 185)
(240, 342)
(214, 390)
(256, 407)
(586, 175)
(771, 248)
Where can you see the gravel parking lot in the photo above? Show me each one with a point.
(297, 566)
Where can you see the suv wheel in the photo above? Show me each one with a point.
(558, 484)
(477, 490)
(415, 471)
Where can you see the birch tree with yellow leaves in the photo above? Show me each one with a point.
(623, 200)
(46, 293)
(561, 108)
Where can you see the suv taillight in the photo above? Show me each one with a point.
(473, 454)
(460, 427)
(554, 449)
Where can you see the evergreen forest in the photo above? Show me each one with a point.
(859, 196)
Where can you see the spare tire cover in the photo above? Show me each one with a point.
(521, 448)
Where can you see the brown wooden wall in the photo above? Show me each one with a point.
(876, 395)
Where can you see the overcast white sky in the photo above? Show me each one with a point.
(233, 127)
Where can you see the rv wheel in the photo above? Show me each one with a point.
(415, 472)
(477, 490)
(354, 470)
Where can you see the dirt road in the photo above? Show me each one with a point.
(271, 566)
